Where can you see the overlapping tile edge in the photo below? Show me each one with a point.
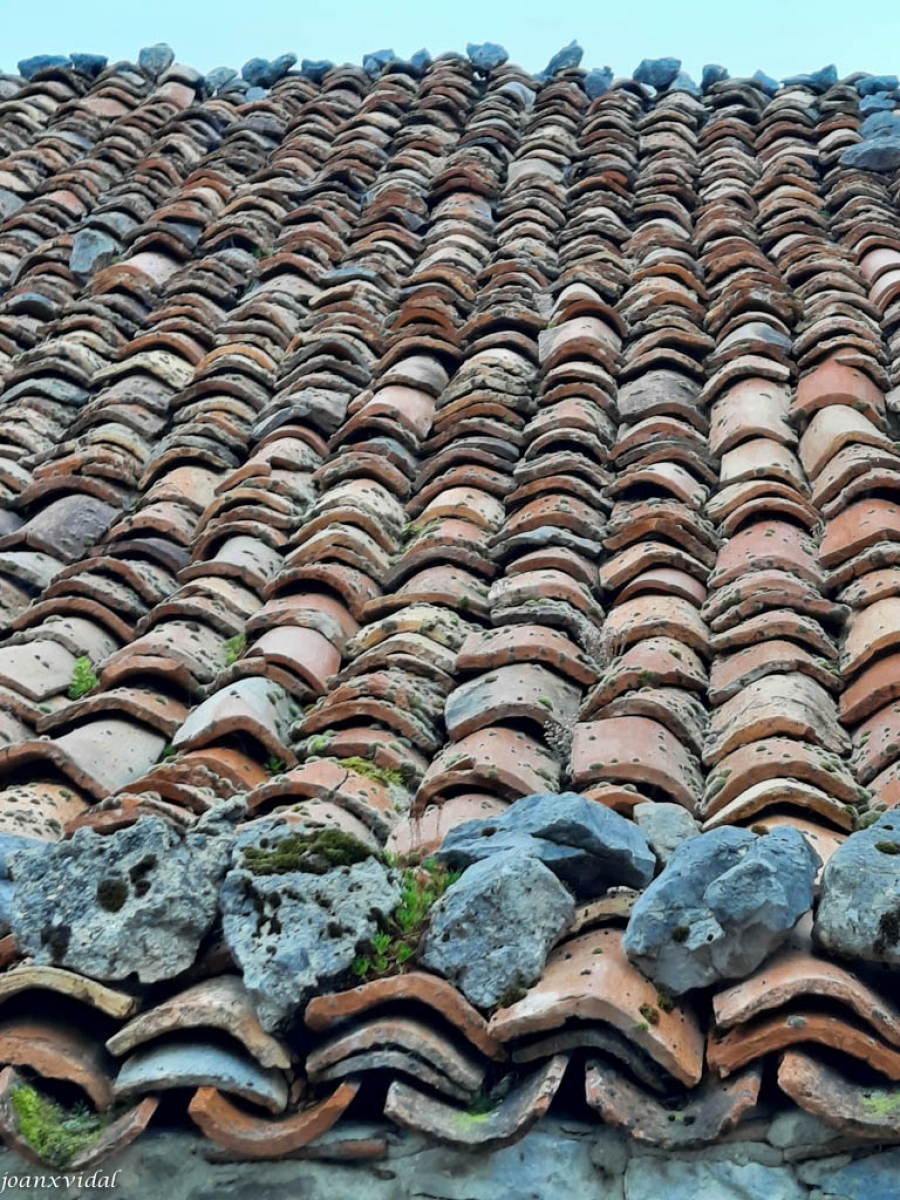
(427, 443)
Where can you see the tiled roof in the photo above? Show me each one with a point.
(379, 447)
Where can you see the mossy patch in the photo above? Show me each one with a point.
(387, 776)
(83, 678)
(112, 894)
(310, 853)
(881, 1104)
(234, 648)
(54, 1133)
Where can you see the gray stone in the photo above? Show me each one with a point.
(880, 124)
(858, 915)
(255, 93)
(712, 73)
(877, 83)
(683, 83)
(585, 844)
(153, 60)
(794, 1127)
(420, 61)
(374, 63)
(570, 56)
(29, 67)
(880, 102)
(765, 82)
(135, 902)
(219, 77)
(871, 1178)
(254, 71)
(91, 250)
(881, 154)
(687, 1178)
(658, 72)
(665, 826)
(487, 56)
(295, 933)
(315, 69)
(724, 902)
(597, 82)
(89, 64)
(491, 931)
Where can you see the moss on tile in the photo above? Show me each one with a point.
(54, 1133)
(310, 853)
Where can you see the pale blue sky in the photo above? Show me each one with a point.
(781, 36)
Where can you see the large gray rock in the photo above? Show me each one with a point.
(665, 826)
(491, 931)
(135, 902)
(294, 932)
(587, 845)
(673, 1178)
(858, 915)
(725, 901)
(91, 249)
(879, 154)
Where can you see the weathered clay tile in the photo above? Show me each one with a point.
(251, 1136)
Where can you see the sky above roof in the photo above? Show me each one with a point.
(782, 37)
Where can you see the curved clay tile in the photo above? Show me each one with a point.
(859, 1109)
(255, 1137)
(704, 1115)
(635, 750)
(502, 1126)
(579, 983)
(336, 1008)
(58, 1050)
(30, 977)
(113, 1138)
(794, 971)
(221, 1003)
(749, 1042)
(195, 1063)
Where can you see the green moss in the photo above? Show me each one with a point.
(664, 1001)
(54, 1133)
(882, 1104)
(650, 1014)
(234, 648)
(888, 847)
(362, 766)
(680, 933)
(83, 678)
(273, 765)
(311, 853)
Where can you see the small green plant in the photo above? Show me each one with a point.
(83, 678)
(54, 1133)
(273, 765)
(234, 648)
(168, 751)
(398, 939)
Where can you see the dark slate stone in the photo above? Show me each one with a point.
(712, 73)
(420, 61)
(724, 902)
(880, 124)
(277, 69)
(877, 83)
(29, 67)
(683, 83)
(880, 155)
(254, 71)
(153, 60)
(658, 72)
(597, 81)
(89, 64)
(315, 69)
(570, 56)
(219, 77)
(880, 102)
(765, 82)
(374, 63)
(585, 844)
(825, 77)
(487, 56)
(91, 250)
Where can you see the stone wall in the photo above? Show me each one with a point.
(795, 1158)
